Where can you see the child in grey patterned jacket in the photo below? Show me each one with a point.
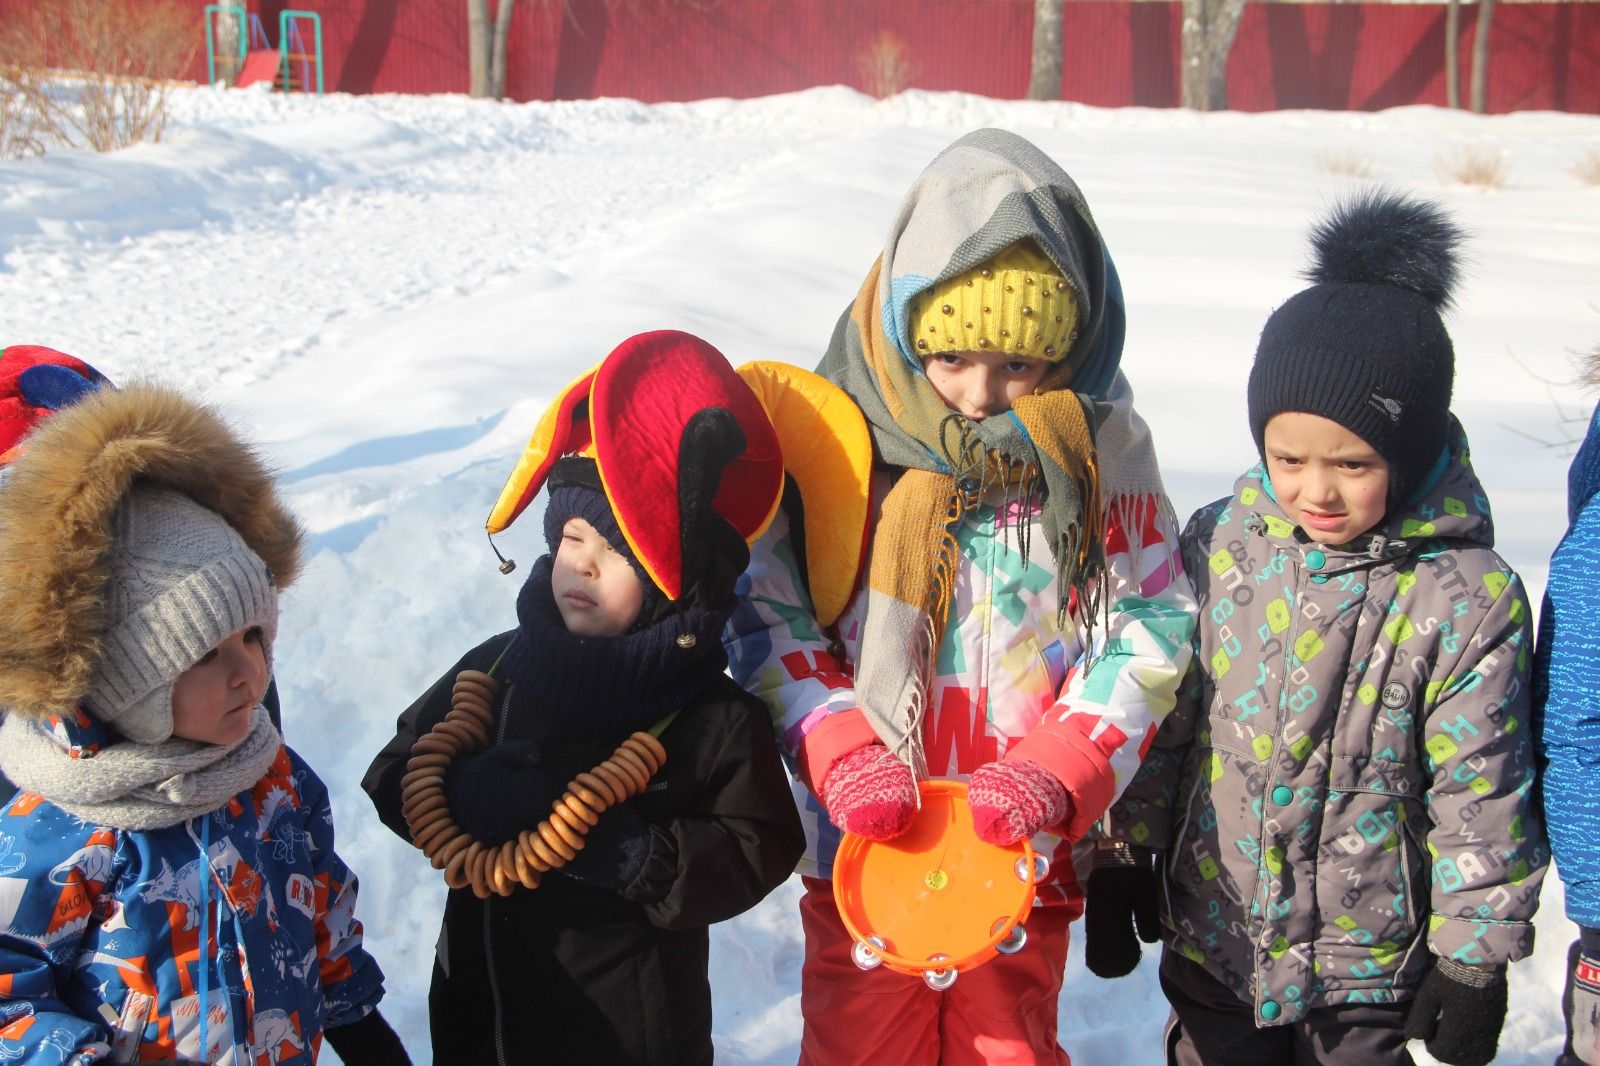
(1345, 807)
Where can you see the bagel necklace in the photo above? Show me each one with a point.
(498, 869)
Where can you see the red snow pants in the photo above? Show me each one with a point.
(1003, 1012)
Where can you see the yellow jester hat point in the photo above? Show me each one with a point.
(827, 449)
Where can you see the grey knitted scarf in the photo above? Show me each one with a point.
(127, 785)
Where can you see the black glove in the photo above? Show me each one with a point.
(1459, 1010)
(369, 1042)
(1120, 903)
(498, 793)
(614, 851)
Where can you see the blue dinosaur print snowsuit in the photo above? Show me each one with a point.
(111, 940)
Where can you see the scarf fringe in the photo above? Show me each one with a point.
(1044, 449)
(909, 748)
(1082, 581)
(967, 460)
(1126, 511)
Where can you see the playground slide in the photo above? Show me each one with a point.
(259, 65)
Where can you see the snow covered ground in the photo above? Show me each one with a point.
(386, 291)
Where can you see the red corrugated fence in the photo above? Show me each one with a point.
(1287, 55)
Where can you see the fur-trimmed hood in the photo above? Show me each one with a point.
(56, 511)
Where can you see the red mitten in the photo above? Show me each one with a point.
(871, 793)
(1013, 800)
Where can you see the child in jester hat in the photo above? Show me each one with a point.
(172, 888)
(1567, 692)
(1019, 619)
(617, 631)
(1345, 811)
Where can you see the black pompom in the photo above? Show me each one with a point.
(1384, 237)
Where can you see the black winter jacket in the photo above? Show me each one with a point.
(568, 973)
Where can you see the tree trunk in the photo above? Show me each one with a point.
(1194, 75)
(478, 47)
(1209, 27)
(1452, 54)
(1480, 56)
(225, 46)
(497, 56)
(1044, 72)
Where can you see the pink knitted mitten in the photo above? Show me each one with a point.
(871, 793)
(1013, 800)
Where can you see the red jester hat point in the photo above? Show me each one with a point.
(632, 411)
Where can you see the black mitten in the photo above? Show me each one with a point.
(1120, 909)
(496, 794)
(614, 851)
(369, 1042)
(1459, 1010)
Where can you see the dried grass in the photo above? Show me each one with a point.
(1345, 162)
(1476, 165)
(886, 66)
(92, 72)
(25, 127)
(1587, 167)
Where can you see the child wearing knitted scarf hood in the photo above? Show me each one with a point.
(1018, 621)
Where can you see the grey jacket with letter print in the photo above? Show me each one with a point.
(1347, 784)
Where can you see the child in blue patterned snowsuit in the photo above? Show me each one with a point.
(1567, 691)
(169, 888)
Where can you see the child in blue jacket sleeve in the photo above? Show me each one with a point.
(1567, 692)
(169, 888)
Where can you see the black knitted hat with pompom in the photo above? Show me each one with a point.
(1364, 346)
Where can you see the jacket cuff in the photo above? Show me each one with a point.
(1472, 976)
(834, 737)
(1081, 768)
(1138, 820)
(1478, 943)
(367, 1042)
(1583, 893)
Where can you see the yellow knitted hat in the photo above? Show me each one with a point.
(1016, 301)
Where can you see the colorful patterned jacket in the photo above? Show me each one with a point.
(1008, 678)
(1348, 785)
(1567, 688)
(107, 936)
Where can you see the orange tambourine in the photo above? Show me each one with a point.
(937, 899)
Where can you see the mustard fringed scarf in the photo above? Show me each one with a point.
(983, 193)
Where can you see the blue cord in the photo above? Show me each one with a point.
(204, 873)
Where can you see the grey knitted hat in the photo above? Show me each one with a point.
(180, 581)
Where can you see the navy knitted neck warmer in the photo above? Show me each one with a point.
(571, 687)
